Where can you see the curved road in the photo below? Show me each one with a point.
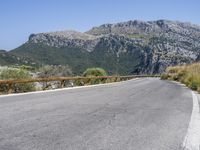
(142, 114)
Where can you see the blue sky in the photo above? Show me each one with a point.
(20, 18)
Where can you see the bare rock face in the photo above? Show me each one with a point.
(64, 39)
(169, 42)
(157, 44)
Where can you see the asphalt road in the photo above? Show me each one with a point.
(143, 114)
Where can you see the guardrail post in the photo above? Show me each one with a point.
(62, 83)
(116, 79)
(10, 88)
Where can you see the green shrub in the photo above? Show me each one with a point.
(79, 83)
(164, 76)
(16, 74)
(94, 72)
(193, 85)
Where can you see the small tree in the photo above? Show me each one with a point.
(16, 74)
(94, 72)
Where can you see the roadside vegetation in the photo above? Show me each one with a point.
(27, 72)
(16, 74)
(92, 72)
(186, 74)
(53, 71)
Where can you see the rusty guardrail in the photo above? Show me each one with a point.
(11, 83)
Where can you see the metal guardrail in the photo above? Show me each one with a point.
(62, 80)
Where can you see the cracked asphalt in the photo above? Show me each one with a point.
(142, 114)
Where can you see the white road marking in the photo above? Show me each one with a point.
(192, 139)
(67, 88)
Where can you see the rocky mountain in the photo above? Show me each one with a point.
(132, 47)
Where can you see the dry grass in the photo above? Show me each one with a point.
(187, 74)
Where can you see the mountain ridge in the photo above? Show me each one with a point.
(132, 47)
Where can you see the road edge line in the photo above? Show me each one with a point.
(67, 88)
(192, 138)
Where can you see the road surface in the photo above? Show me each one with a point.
(142, 114)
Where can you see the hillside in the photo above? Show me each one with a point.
(132, 47)
(7, 58)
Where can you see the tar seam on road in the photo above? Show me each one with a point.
(192, 138)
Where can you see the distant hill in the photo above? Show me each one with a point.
(132, 47)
